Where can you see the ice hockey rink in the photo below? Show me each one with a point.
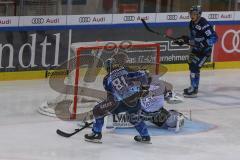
(28, 135)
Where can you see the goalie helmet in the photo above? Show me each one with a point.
(196, 9)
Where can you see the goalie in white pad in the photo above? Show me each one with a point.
(152, 106)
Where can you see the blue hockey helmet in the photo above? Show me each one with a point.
(196, 9)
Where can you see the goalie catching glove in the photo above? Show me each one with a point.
(181, 40)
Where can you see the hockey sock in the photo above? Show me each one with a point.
(142, 129)
(194, 77)
(97, 125)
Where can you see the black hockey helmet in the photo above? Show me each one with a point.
(196, 9)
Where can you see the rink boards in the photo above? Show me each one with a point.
(29, 50)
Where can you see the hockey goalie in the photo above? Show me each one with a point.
(152, 105)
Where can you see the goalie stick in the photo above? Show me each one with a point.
(160, 34)
(67, 135)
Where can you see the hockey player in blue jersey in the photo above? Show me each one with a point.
(202, 38)
(124, 89)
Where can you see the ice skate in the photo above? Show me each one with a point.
(93, 137)
(190, 92)
(143, 139)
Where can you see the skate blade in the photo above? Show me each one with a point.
(190, 96)
(94, 141)
(144, 142)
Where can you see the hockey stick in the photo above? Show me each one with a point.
(155, 32)
(158, 33)
(67, 135)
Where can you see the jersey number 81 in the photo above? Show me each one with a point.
(119, 83)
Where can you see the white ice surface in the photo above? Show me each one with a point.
(27, 135)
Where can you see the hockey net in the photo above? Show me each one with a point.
(81, 89)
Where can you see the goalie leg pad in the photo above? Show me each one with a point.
(175, 120)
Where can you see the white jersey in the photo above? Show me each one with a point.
(152, 103)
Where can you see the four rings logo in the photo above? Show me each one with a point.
(84, 19)
(129, 18)
(235, 41)
(172, 17)
(37, 20)
(213, 16)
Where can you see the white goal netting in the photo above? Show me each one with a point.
(81, 89)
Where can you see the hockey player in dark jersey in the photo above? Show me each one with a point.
(124, 89)
(202, 38)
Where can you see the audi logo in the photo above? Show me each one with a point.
(172, 17)
(37, 20)
(235, 41)
(129, 18)
(213, 16)
(84, 19)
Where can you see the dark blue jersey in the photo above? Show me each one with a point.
(203, 35)
(121, 83)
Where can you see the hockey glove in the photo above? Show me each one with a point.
(181, 40)
(144, 90)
